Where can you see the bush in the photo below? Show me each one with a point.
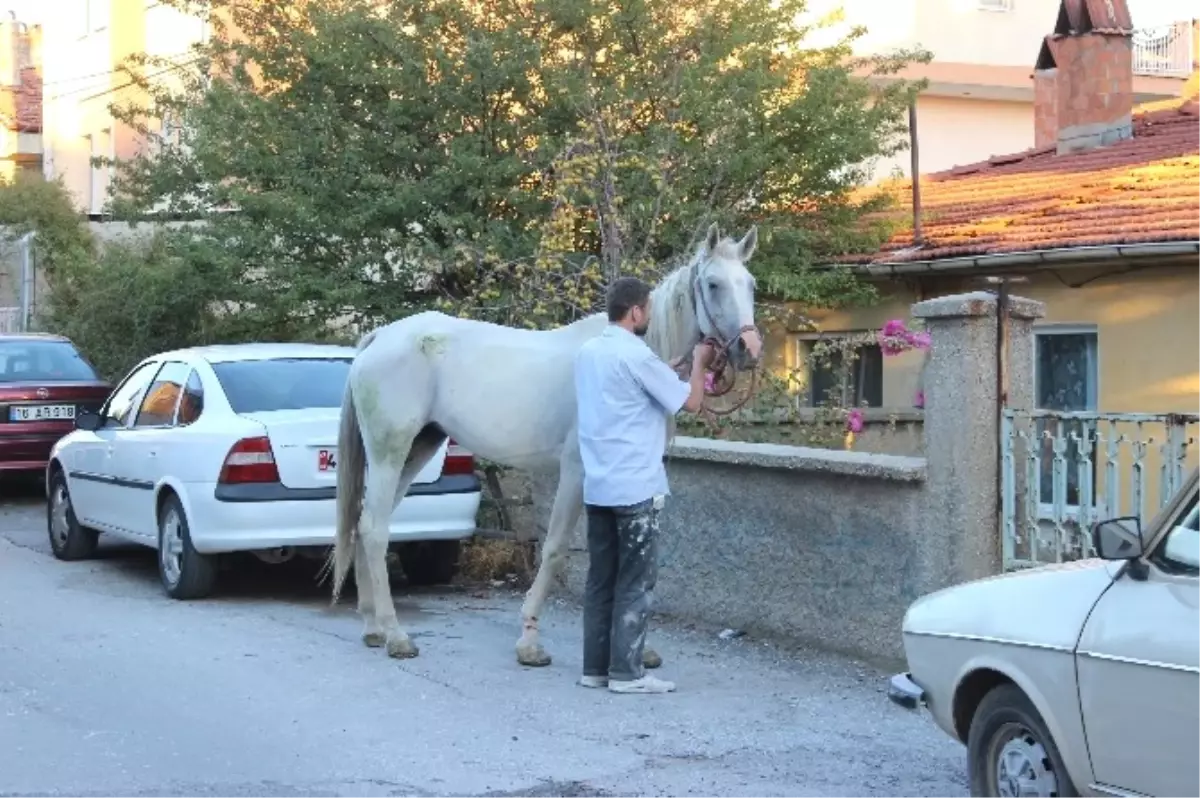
(134, 299)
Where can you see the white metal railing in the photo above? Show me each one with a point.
(10, 320)
(1164, 51)
(1062, 472)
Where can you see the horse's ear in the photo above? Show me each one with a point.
(714, 237)
(748, 244)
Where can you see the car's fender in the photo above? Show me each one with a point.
(177, 487)
(1056, 699)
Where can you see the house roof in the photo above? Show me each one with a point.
(1141, 190)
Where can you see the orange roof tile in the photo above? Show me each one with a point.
(1136, 191)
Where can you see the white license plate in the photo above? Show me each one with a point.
(41, 413)
(327, 459)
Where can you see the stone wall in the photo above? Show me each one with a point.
(829, 547)
(822, 547)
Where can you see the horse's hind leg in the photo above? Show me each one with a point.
(379, 502)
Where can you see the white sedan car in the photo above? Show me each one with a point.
(1073, 679)
(204, 451)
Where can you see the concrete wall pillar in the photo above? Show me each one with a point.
(961, 435)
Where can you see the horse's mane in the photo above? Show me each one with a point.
(674, 329)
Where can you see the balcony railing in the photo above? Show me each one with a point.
(1164, 51)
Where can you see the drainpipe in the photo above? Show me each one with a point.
(918, 234)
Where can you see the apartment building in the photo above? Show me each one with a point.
(84, 44)
(20, 98)
(980, 98)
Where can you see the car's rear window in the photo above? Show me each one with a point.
(255, 386)
(25, 360)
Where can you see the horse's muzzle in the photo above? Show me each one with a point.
(746, 349)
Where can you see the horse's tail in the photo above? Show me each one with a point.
(351, 472)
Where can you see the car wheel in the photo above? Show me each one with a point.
(185, 573)
(68, 540)
(431, 562)
(1009, 750)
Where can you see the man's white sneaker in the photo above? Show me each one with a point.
(646, 684)
(593, 681)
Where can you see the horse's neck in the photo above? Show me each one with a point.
(674, 329)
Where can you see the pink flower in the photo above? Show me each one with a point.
(919, 399)
(893, 329)
(709, 382)
(918, 340)
(854, 420)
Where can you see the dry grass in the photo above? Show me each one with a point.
(491, 560)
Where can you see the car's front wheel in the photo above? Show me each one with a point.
(1009, 750)
(68, 539)
(185, 572)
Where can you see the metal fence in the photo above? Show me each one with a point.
(1164, 51)
(1062, 472)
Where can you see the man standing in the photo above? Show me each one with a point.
(625, 394)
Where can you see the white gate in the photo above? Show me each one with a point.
(1063, 471)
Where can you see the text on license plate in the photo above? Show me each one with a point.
(326, 460)
(41, 413)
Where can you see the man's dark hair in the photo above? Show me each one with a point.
(625, 294)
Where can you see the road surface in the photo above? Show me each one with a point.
(109, 688)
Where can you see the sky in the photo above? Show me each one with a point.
(1145, 12)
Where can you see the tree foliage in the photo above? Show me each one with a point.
(353, 160)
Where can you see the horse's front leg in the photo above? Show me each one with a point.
(568, 505)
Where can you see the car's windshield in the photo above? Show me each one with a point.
(255, 386)
(42, 361)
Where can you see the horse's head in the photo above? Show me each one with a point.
(724, 292)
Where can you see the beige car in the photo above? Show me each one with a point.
(1073, 679)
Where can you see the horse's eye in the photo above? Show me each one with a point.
(713, 285)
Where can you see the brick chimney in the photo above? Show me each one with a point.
(1083, 79)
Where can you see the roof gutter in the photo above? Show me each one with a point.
(1064, 256)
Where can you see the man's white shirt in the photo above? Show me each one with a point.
(625, 394)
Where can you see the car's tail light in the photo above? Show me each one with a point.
(249, 460)
(458, 460)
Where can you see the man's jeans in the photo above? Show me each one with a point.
(622, 569)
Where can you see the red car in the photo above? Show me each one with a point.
(44, 383)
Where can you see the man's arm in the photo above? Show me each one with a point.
(664, 385)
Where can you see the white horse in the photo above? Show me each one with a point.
(508, 396)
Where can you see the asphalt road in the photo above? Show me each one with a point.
(109, 688)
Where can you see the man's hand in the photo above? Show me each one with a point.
(702, 355)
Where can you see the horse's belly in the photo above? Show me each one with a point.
(518, 423)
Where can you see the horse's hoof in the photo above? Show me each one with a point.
(651, 658)
(533, 656)
(373, 639)
(402, 648)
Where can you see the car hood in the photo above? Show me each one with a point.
(1041, 606)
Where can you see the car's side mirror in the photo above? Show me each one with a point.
(1118, 538)
(88, 421)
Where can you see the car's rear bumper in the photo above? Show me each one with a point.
(22, 450)
(266, 518)
(905, 692)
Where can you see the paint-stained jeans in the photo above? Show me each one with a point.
(622, 569)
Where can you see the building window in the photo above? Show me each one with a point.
(1065, 379)
(996, 5)
(90, 141)
(841, 377)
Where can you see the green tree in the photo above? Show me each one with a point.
(354, 160)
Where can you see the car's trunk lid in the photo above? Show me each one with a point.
(305, 446)
(23, 403)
